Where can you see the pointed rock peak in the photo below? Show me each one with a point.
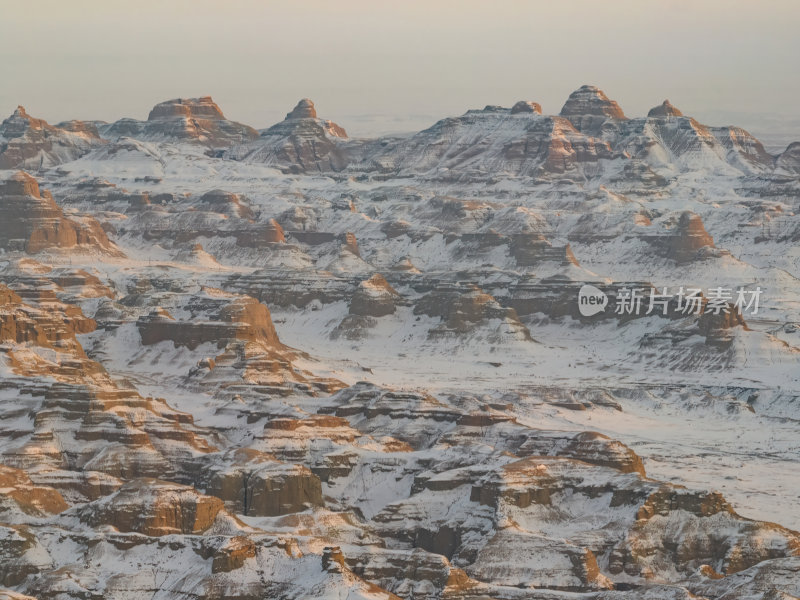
(19, 122)
(665, 109)
(688, 237)
(590, 100)
(201, 108)
(304, 110)
(294, 122)
(525, 106)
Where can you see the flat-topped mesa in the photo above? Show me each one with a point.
(88, 128)
(155, 508)
(304, 110)
(590, 100)
(203, 108)
(194, 120)
(526, 106)
(242, 319)
(665, 109)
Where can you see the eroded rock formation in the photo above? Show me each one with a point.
(31, 221)
(34, 144)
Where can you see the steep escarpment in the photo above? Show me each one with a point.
(31, 221)
(242, 319)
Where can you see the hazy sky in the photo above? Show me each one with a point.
(384, 65)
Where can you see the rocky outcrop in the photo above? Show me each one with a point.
(741, 145)
(590, 100)
(233, 555)
(9, 595)
(667, 139)
(53, 328)
(227, 203)
(304, 110)
(488, 143)
(34, 144)
(197, 108)
(227, 220)
(243, 319)
(665, 109)
(374, 298)
(686, 241)
(689, 236)
(588, 446)
(31, 221)
(258, 237)
(520, 560)
(16, 487)
(463, 311)
(525, 106)
(301, 143)
(589, 110)
(717, 325)
(652, 541)
(263, 487)
(194, 120)
(79, 429)
(789, 159)
(243, 348)
(530, 249)
(154, 508)
(22, 555)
